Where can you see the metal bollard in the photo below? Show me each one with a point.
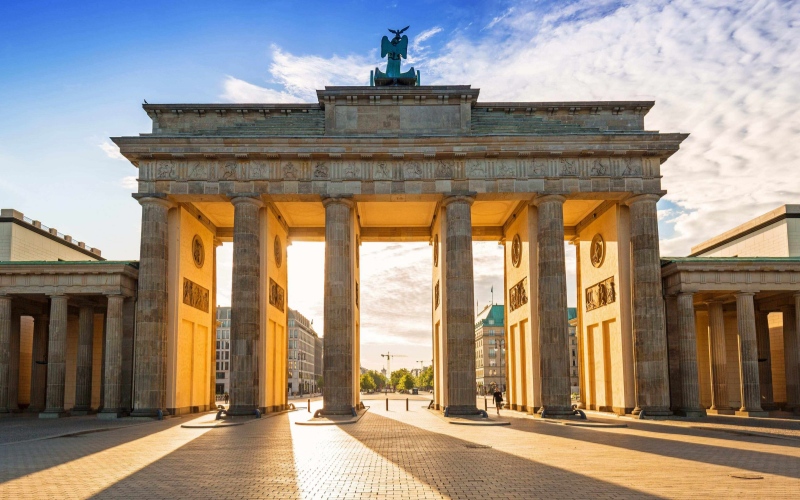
(387, 404)
(485, 404)
(406, 404)
(309, 405)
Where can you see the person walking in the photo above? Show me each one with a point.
(227, 398)
(498, 400)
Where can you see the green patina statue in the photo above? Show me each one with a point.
(396, 49)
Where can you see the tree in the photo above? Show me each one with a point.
(378, 379)
(397, 375)
(319, 383)
(406, 382)
(425, 379)
(367, 384)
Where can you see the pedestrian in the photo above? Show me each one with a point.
(498, 400)
(226, 398)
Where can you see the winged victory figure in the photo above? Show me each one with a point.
(396, 49)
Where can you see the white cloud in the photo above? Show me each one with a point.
(498, 19)
(236, 90)
(129, 182)
(111, 150)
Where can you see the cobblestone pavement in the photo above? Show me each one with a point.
(408, 455)
(17, 427)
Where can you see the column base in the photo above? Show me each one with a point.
(769, 406)
(53, 414)
(149, 413)
(462, 410)
(558, 412)
(241, 411)
(690, 412)
(751, 413)
(80, 411)
(652, 412)
(325, 412)
(109, 414)
(720, 411)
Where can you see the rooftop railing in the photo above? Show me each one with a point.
(8, 212)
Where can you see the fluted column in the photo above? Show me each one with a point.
(748, 356)
(338, 392)
(553, 323)
(5, 340)
(764, 360)
(112, 396)
(83, 366)
(150, 342)
(13, 363)
(459, 298)
(56, 359)
(687, 343)
(720, 402)
(791, 353)
(245, 306)
(649, 338)
(39, 363)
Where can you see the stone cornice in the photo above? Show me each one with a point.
(96, 278)
(730, 274)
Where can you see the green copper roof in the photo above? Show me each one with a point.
(497, 317)
(572, 313)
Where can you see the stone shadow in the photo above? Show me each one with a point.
(755, 461)
(457, 468)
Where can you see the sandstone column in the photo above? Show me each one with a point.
(150, 342)
(5, 340)
(748, 356)
(245, 306)
(13, 363)
(720, 403)
(458, 306)
(553, 323)
(689, 405)
(649, 338)
(791, 352)
(39, 363)
(83, 367)
(764, 360)
(338, 392)
(112, 396)
(56, 359)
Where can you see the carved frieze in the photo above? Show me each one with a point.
(277, 295)
(601, 294)
(517, 295)
(195, 295)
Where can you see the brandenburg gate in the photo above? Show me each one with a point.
(399, 163)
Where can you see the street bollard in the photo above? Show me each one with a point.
(309, 405)
(406, 404)
(485, 405)
(387, 404)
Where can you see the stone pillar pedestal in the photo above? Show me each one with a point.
(150, 342)
(458, 306)
(553, 323)
(748, 357)
(338, 397)
(649, 338)
(56, 359)
(720, 402)
(690, 391)
(245, 318)
(112, 396)
(5, 340)
(764, 361)
(791, 352)
(39, 363)
(83, 369)
(13, 364)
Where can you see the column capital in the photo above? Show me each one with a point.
(538, 200)
(153, 198)
(685, 293)
(459, 197)
(247, 198)
(744, 294)
(344, 200)
(636, 198)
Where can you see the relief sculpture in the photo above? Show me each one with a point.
(277, 296)
(601, 294)
(195, 295)
(517, 296)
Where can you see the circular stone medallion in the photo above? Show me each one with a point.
(436, 250)
(278, 249)
(198, 251)
(597, 251)
(516, 250)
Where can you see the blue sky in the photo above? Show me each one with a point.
(73, 74)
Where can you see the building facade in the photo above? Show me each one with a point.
(305, 346)
(223, 351)
(574, 377)
(490, 349)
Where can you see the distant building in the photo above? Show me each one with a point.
(774, 234)
(223, 358)
(25, 239)
(318, 360)
(490, 349)
(574, 377)
(304, 344)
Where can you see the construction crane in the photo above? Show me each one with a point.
(389, 357)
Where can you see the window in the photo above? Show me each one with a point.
(492, 362)
(491, 342)
(220, 375)
(492, 352)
